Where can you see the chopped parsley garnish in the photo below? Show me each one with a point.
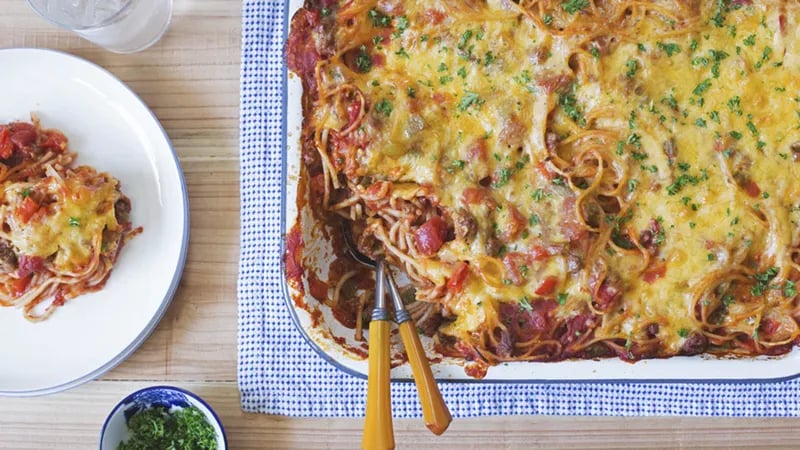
(25, 192)
(503, 176)
(750, 40)
(538, 195)
(669, 48)
(789, 289)
(718, 18)
(455, 165)
(401, 23)
(728, 299)
(680, 182)
(489, 58)
(525, 304)
(465, 37)
(547, 19)
(762, 281)
(562, 298)
(74, 222)
(157, 427)
(670, 101)
(573, 6)
(384, 106)
(734, 104)
(633, 67)
(764, 57)
(569, 104)
(363, 60)
(469, 99)
(402, 53)
(752, 127)
(702, 87)
(379, 19)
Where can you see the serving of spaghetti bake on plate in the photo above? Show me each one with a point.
(560, 181)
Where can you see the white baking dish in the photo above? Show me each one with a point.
(323, 337)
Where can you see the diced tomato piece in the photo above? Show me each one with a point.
(439, 97)
(434, 16)
(516, 223)
(29, 265)
(654, 273)
(751, 188)
(607, 293)
(431, 235)
(477, 196)
(54, 141)
(539, 253)
(478, 151)
(769, 327)
(294, 255)
(573, 229)
(378, 60)
(353, 110)
(20, 285)
(458, 279)
(318, 289)
(6, 146)
(548, 286)
(545, 171)
(516, 265)
(26, 209)
(553, 83)
(24, 137)
(59, 299)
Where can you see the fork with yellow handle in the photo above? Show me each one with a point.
(378, 429)
(434, 410)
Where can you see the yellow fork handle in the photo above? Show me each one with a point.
(434, 410)
(378, 431)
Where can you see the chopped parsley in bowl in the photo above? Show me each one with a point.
(162, 417)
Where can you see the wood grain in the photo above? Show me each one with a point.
(191, 81)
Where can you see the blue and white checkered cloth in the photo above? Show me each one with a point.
(279, 373)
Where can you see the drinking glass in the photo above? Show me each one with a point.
(121, 26)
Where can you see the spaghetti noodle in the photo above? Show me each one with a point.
(563, 179)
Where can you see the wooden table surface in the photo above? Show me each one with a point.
(190, 79)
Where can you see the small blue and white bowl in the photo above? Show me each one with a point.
(115, 428)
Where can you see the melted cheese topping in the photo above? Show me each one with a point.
(693, 117)
(67, 224)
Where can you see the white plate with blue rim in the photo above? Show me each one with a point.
(111, 129)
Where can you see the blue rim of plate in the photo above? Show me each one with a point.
(176, 278)
(287, 297)
(130, 397)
